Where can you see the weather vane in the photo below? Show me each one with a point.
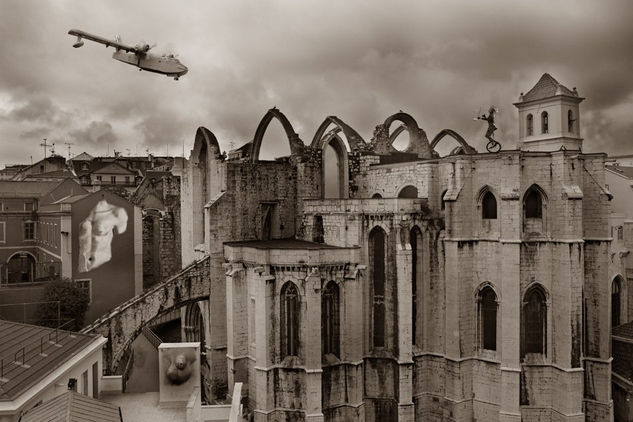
(492, 145)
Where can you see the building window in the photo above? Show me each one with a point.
(570, 121)
(416, 274)
(317, 229)
(376, 196)
(29, 230)
(530, 125)
(127, 180)
(330, 319)
(289, 320)
(28, 206)
(620, 233)
(544, 122)
(84, 383)
(377, 256)
(534, 322)
(3, 232)
(615, 302)
(489, 206)
(113, 180)
(487, 319)
(86, 286)
(95, 380)
(99, 178)
(533, 204)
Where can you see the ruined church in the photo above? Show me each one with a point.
(472, 286)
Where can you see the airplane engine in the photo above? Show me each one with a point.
(78, 43)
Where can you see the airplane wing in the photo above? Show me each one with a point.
(106, 42)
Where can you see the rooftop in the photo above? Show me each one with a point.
(28, 353)
(72, 406)
(281, 244)
(547, 87)
(26, 189)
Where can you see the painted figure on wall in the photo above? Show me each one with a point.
(96, 232)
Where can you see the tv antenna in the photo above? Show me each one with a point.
(68, 144)
(45, 145)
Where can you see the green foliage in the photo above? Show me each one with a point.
(73, 304)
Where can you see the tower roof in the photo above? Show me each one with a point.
(547, 87)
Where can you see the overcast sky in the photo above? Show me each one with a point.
(360, 60)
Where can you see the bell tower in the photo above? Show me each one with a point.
(549, 117)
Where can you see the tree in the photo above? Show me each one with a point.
(73, 304)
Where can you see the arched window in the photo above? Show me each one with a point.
(570, 121)
(408, 192)
(416, 276)
(534, 322)
(376, 196)
(544, 122)
(615, 302)
(289, 320)
(533, 204)
(330, 319)
(487, 302)
(529, 125)
(489, 206)
(377, 257)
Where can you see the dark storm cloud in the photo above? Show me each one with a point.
(362, 61)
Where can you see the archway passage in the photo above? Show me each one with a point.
(21, 268)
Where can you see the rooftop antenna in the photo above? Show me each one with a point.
(68, 144)
(52, 149)
(45, 145)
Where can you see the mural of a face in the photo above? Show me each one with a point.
(180, 365)
(95, 234)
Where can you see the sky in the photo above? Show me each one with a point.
(440, 61)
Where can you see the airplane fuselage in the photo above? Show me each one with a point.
(166, 65)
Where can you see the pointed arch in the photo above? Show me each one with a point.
(534, 201)
(378, 268)
(617, 285)
(330, 319)
(205, 139)
(289, 313)
(354, 140)
(449, 132)
(534, 320)
(293, 138)
(334, 140)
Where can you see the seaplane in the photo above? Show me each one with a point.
(138, 55)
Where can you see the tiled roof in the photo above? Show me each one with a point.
(547, 87)
(26, 189)
(29, 353)
(73, 407)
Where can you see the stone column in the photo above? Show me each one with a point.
(312, 341)
(510, 321)
(265, 343)
(405, 327)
